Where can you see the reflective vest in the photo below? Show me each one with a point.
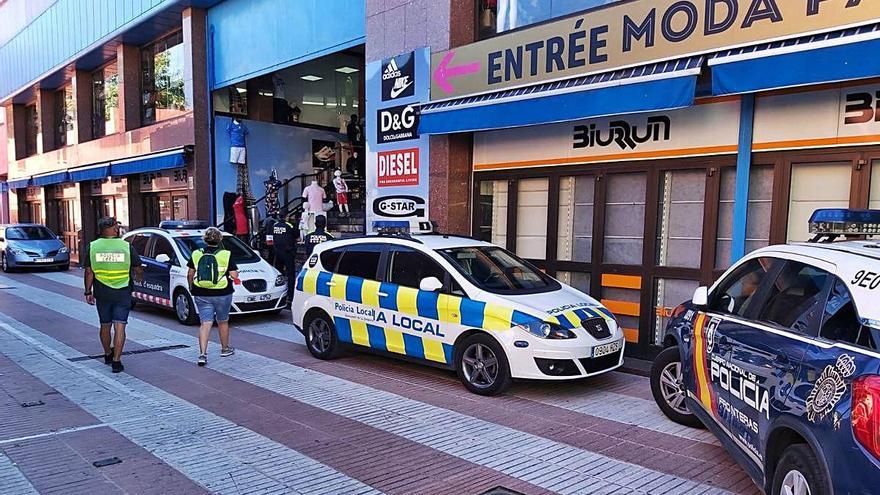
(222, 256)
(110, 259)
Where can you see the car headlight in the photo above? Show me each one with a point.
(280, 280)
(14, 250)
(546, 330)
(63, 250)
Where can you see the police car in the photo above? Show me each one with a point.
(780, 359)
(455, 303)
(165, 251)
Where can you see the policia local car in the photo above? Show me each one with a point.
(780, 359)
(165, 251)
(452, 302)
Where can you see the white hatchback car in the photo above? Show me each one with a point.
(456, 303)
(165, 252)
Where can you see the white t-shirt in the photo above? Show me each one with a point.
(340, 185)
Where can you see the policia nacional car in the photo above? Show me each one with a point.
(780, 359)
(165, 251)
(455, 303)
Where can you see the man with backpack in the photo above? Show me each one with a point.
(211, 276)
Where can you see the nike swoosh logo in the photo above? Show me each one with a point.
(396, 93)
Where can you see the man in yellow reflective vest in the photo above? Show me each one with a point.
(110, 264)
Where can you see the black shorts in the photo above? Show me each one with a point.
(113, 305)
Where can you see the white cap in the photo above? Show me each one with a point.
(338, 173)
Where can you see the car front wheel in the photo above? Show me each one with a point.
(667, 387)
(799, 473)
(482, 365)
(185, 308)
(321, 338)
(4, 264)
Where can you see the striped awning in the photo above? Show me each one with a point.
(843, 55)
(658, 86)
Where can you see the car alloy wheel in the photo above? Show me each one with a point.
(181, 306)
(795, 483)
(319, 336)
(480, 365)
(671, 386)
(3, 264)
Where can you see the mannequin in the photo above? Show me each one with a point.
(355, 132)
(272, 186)
(304, 222)
(241, 222)
(314, 195)
(236, 130)
(341, 192)
(351, 165)
(343, 123)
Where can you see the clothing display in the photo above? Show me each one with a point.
(341, 192)
(243, 180)
(238, 155)
(273, 185)
(228, 211)
(355, 132)
(343, 123)
(241, 223)
(237, 132)
(314, 196)
(354, 164)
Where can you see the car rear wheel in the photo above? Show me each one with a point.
(799, 473)
(321, 338)
(482, 365)
(667, 387)
(185, 308)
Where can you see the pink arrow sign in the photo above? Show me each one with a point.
(444, 72)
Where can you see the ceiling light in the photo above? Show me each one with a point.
(317, 103)
(266, 93)
(241, 90)
(346, 70)
(311, 78)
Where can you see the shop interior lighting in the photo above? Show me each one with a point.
(311, 78)
(346, 70)
(241, 90)
(316, 103)
(266, 93)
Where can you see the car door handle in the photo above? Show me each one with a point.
(331, 284)
(383, 294)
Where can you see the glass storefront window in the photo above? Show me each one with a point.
(578, 280)
(668, 294)
(758, 219)
(531, 218)
(875, 187)
(162, 80)
(814, 186)
(105, 101)
(680, 218)
(498, 16)
(575, 225)
(65, 117)
(31, 130)
(625, 218)
(493, 212)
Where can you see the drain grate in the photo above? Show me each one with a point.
(33, 403)
(500, 490)
(128, 353)
(107, 462)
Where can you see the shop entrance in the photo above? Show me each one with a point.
(164, 206)
(63, 216)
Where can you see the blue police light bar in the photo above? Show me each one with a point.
(183, 225)
(841, 221)
(402, 227)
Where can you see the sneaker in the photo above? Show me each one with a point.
(227, 351)
(117, 366)
(203, 359)
(108, 358)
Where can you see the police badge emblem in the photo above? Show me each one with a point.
(829, 388)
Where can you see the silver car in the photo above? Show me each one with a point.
(30, 245)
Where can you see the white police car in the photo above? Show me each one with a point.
(456, 303)
(165, 252)
(780, 359)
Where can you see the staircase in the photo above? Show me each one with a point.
(347, 226)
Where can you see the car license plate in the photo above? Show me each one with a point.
(262, 298)
(44, 260)
(606, 349)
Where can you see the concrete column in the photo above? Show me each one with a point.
(450, 187)
(16, 120)
(88, 231)
(82, 95)
(128, 62)
(46, 118)
(196, 90)
(136, 210)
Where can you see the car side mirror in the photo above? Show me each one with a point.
(430, 284)
(163, 258)
(701, 297)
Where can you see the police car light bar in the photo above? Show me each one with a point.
(183, 225)
(845, 222)
(402, 227)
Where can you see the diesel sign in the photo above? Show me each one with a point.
(397, 124)
(398, 168)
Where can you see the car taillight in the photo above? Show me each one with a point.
(866, 413)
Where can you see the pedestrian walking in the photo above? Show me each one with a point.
(211, 276)
(318, 236)
(110, 265)
(284, 239)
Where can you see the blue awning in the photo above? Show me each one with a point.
(148, 163)
(3, 187)
(830, 57)
(92, 172)
(660, 86)
(18, 183)
(51, 178)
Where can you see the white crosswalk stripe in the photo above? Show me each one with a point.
(518, 454)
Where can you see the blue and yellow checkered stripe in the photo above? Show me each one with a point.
(392, 340)
(572, 319)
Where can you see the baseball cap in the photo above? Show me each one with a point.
(106, 223)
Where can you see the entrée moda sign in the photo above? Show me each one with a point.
(398, 168)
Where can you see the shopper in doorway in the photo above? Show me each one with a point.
(211, 276)
(318, 236)
(284, 237)
(110, 265)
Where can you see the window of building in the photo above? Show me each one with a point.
(498, 16)
(531, 218)
(795, 301)
(578, 280)
(31, 129)
(162, 87)
(875, 187)
(758, 221)
(814, 186)
(105, 101)
(493, 212)
(575, 224)
(680, 218)
(65, 117)
(625, 218)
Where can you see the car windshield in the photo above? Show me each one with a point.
(496, 270)
(241, 253)
(29, 233)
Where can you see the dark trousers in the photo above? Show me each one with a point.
(285, 261)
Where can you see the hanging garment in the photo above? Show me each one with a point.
(241, 223)
(315, 196)
(228, 211)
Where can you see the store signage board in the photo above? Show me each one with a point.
(397, 156)
(632, 34)
(162, 180)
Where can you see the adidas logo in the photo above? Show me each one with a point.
(391, 71)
